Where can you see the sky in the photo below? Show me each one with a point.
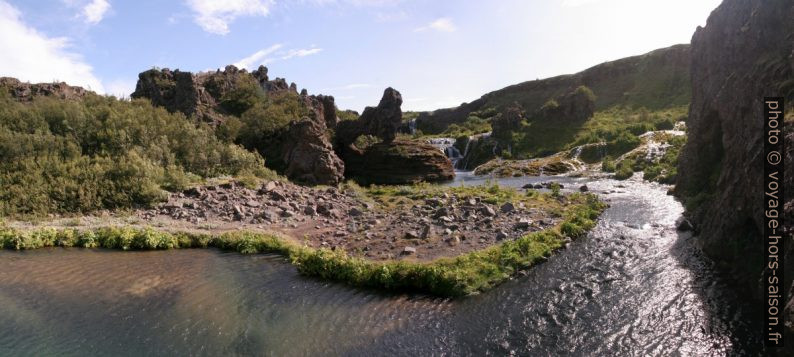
(437, 53)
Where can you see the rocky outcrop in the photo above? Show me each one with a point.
(25, 92)
(655, 80)
(301, 151)
(570, 108)
(745, 52)
(381, 121)
(323, 107)
(398, 162)
(208, 96)
(388, 161)
(506, 123)
(309, 155)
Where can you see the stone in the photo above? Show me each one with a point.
(309, 210)
(507, 207)
(398, 162)
(523, 224)
(487, 211)
(426, 231)
(253, 203)
(355, 212)
(583, 188)
(309, 156)
(270, 186)
(500, 235)
(409, 251)
(411, 235)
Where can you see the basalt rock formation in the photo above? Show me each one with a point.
(573, 107)
(309, 155)
(381, 121)
(206, 95)
(398, 162)
(302, 150)
(389, 161)
(509, 121)
(744, 53)
(24, 92)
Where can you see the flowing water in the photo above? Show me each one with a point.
(634, 286)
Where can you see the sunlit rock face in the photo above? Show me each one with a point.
(742, 55)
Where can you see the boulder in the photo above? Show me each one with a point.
(399, 162)
(309, 156)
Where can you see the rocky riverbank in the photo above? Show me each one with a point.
(421, 222)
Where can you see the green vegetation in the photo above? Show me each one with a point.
(608, 165)
(472, 125)
(662, 169)
(467, 274)
(624, 170)
(263, 124)
(99, 152)
(489, 192)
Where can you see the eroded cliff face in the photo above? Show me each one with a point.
(302, 150)
(745, 52)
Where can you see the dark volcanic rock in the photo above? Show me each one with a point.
(381, 121)
(204, 94)
(573, 107)
(323, 107)
(309, 155)
(398, 162)
(26, 91)
(507, 122)
(745, 52)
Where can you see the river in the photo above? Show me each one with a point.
(634, 286)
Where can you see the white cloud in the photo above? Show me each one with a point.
(443, 24)
(257, 58)
(121, 88)
(95, 11)
(214, 16)
(31, 56)
(272, 54)
(301, 53)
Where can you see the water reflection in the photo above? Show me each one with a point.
(635, 286)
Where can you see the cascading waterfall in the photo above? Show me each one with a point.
(447, 146)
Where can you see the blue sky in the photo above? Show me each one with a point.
(437, 53)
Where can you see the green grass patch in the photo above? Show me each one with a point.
(463, 275)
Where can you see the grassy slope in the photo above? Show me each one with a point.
(631, 91)
(463, 275)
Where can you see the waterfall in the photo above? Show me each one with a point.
(412, 126)
(463, 163)
(447, 146)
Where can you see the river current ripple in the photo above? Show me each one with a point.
(633, 286)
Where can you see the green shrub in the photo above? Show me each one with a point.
(608, 165)
(99, 152)
(624, 170)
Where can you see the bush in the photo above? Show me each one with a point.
(99, 152)
(608, 165)
(624, 170)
